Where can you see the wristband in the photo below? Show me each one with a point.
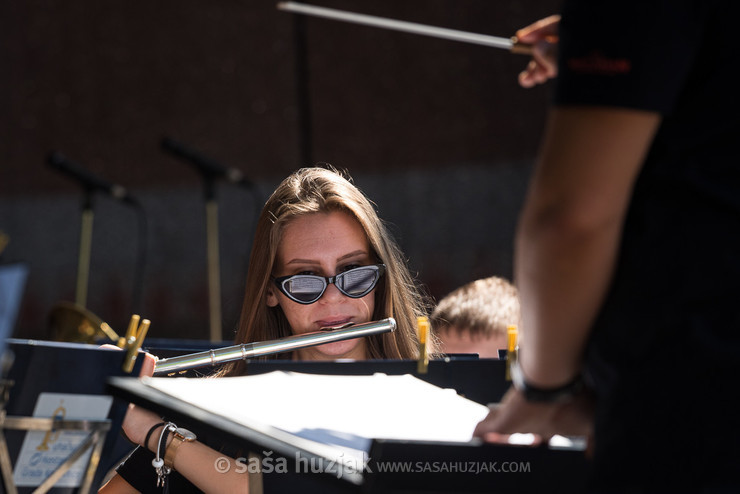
(151, 431)
(544, 395)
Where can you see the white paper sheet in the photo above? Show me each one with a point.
(343, 411)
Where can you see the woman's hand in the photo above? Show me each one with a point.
(543, 36)
(138, 421)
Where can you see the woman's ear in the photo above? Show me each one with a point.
(272, 300)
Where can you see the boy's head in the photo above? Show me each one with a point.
(474, 318)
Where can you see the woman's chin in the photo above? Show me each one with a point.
(339, 348)
(347, 349)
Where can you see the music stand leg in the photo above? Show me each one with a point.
(92, 466)
(5, 467)
(93, 438)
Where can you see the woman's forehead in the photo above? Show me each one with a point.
(322, 236)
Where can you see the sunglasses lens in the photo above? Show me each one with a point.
(304, 289)
(357, 282)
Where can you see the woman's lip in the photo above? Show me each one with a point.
(330, 326)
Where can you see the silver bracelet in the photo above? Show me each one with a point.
(158, 461)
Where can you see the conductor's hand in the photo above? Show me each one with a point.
(543, 35)
(516, 415)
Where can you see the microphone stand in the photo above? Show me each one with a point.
(83, 260)
(90, 184)
(213, 263)
(210, 171)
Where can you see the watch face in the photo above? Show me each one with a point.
(186, 434)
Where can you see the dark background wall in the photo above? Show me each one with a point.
(436, 132)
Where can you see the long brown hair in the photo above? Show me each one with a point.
(321, 190)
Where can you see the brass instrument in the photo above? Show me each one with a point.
(73, 323)
(4, 241)
(258, 349)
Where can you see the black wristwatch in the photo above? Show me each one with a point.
(544, 395)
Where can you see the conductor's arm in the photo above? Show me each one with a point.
(566, 248)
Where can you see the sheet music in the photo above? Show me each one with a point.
(346, 412)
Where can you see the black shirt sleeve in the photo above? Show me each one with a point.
(138, 471)
(627, 53)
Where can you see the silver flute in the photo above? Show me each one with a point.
(251, 350)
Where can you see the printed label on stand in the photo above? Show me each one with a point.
(43, 451)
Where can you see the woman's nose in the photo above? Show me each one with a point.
(332, 294)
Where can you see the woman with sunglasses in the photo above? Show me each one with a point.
(321, 258)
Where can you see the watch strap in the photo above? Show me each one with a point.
(544, 395)
(177, 439)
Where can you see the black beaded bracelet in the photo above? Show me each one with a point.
(149, 434)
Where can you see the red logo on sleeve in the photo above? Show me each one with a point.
(597, 63)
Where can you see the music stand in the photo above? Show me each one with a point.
(481, 380)
(250, 430)
(59, 426)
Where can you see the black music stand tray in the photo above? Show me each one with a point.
(73, 376)
(435, 467)
(481, 380)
